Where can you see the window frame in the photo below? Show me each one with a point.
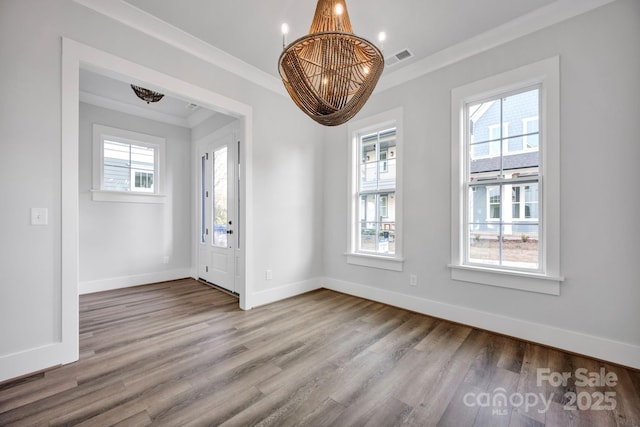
(102, 133)
(547, 279)
(355, 129)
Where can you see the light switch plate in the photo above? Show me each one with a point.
(39, 216)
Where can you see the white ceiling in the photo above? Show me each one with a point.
(103, 91)
(250, 29)
(244, 38)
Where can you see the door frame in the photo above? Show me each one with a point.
(76, 55)
(233, 132)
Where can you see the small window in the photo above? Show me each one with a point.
(126, 162)
(376, 192)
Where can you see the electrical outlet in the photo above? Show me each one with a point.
(39, 216)
(165, 260)
(268, 274)
(413, 280)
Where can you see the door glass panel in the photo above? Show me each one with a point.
(220, 179)
(203, 199)
(238, 199)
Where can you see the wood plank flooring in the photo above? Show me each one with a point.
(182, 354)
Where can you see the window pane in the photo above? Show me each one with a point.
(220, 181)
(521, 111)
(142, 158)
(368, 170)
(116, 153)
(116, 172)
(387, 237)
(142, 167)
(520, 245)
(531, 130)
(368, 231)
(481, 116)
(480, 150)
(518, 107)
(517, 246)
(128, 167)
(377, 223)
(378, 161)
(484, 246)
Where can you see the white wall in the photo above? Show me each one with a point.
(600, 99)
(122, 244)
(30, 177)
(286, 157)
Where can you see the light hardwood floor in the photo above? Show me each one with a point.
(181, 353)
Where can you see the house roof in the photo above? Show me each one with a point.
(509, 162)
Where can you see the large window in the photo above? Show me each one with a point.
(375, 192)
(502, 188)
(505, 144)
(127, 165)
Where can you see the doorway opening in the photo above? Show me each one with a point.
(77, 56)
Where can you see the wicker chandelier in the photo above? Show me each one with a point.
(330, 73)
(147, 95)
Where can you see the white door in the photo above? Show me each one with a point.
(218, 220)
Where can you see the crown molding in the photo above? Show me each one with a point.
(146, 23)
(536, 20)
(123, 107)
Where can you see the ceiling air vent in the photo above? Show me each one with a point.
(403, 55)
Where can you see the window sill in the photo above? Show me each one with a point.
(375, 261)
(530, 282)
(126, 197)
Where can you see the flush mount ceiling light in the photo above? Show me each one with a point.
(147, 95)
(330, 73)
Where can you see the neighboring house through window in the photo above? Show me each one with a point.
(127, 165)
(375, 191)
(501, 238)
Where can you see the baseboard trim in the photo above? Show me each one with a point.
(576, 342)
(287, 291)
(129, 281)
(28, 362)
